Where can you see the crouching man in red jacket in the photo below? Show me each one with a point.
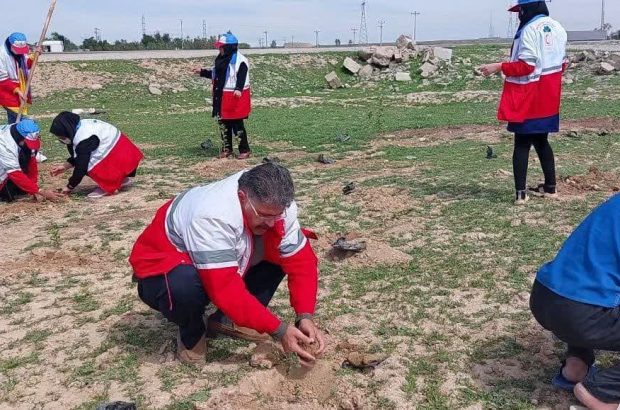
(230, 243)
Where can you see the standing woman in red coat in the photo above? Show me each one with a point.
(14, 67)
(532, 92)
(231, 94)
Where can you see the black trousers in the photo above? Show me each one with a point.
(189, 300)
(228, 128)
(10, 192)
(584, 328)
(521, 155)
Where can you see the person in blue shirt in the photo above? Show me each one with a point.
(577, 297)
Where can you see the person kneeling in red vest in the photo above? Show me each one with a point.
(19, 173)
(231, 243)
(96, 149)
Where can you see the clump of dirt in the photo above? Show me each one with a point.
(58, 77)
(377, 253)
(594, 181)
(311, 348)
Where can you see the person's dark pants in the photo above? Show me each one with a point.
(9, 192)
(11, 116)
(584, 328)
(230, 128)
(520, 159)
(185, 304)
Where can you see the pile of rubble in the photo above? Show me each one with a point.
(392, 62)
(601, 62)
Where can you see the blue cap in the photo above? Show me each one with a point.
(28, 129)
(19, 43)
(225, 39)
(517, 7)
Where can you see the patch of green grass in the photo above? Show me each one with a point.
(188, 403)
(36, 336)
(85, 302)
(15, 303)
(19, 361)
(123, 306)
(93, 403)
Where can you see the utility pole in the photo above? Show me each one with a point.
(381, 24)
(292, 41)
(316, 32)
(97, 34)
(415, 15)
(491, 27)
(510, 33)
(363, 26)
(602, 15)
(260, 42)
(143, 26)
(181, 34)
(266, 39)
(354, 30)
(204, 30)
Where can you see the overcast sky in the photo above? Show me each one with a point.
(440, 19)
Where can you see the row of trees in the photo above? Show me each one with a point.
(156, 41)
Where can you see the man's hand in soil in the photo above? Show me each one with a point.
(196, 70)
(66, 191)
(308, 328)
(44, 195)
(290, 342)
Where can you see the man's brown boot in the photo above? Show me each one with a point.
(215, 328)
(196, 355)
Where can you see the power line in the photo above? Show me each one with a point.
(415, 15)
(363, 26)
(381, 24)
(316, 32)
(354, 30)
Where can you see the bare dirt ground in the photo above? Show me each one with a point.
(73, 332)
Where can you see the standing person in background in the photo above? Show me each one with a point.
(530, 102)
(231, 94)
(14, 72)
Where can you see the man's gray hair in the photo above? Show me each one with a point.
(269, 184)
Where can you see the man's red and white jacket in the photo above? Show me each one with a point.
(205, 227)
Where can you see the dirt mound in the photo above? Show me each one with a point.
(377, 253)
(594, 181)
(287, 385)
(59, 77)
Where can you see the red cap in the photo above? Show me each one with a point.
(34, 145)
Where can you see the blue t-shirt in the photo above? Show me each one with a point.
(587, 268)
